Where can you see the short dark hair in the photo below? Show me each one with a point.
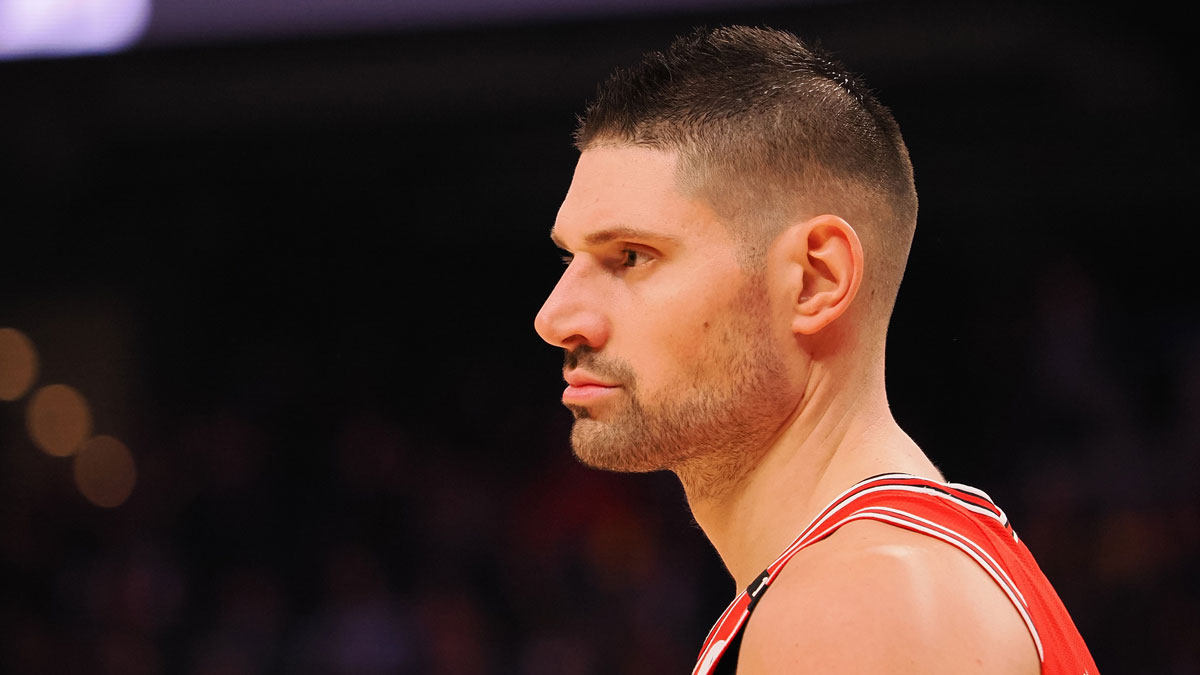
(768, 127)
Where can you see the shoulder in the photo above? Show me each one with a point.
(877, 598)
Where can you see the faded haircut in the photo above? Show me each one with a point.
(768, 130)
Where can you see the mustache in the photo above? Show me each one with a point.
(586, 357)
(581, 355)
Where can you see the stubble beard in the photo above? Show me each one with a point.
(711, 426)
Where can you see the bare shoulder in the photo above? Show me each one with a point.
(877, 598)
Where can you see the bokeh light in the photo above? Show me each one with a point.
(105, 472)
(59, 419)
(18, 364)
(61, 27)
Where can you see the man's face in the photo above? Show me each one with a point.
(670, 354)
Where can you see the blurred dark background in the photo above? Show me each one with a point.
(293, 269)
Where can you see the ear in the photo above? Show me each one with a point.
(827, 257)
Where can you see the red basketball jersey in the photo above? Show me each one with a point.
(957, 514)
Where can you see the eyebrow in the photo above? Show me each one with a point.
(605, 236)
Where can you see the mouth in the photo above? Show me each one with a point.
(583, 388)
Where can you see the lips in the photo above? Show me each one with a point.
(583, 387)
(577, 378)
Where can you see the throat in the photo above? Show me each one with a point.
(751, 506)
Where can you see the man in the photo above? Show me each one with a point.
(736, 231)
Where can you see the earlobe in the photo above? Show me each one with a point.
(830, 254)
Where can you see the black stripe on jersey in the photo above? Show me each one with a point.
(757, 589)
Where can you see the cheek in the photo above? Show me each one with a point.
(688, 318)
(683, 349)
(678, 329)
(665, 350)
(688, 325)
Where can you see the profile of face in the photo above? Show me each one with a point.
(670, 348)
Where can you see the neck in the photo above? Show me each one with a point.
(836, 437)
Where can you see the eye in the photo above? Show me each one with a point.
(632, 257)
(567, 258)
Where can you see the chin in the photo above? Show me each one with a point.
(600, 446)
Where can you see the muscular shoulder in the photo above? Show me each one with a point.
(874, 598)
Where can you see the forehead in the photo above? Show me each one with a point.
(627, 188)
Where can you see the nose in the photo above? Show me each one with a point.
(573, 315)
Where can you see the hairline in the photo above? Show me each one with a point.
(753, 224)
